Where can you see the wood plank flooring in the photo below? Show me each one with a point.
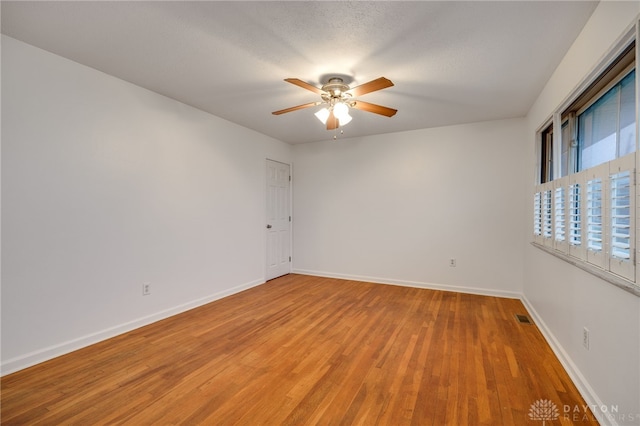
(303, 350)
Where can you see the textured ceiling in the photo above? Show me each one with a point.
(451, 62)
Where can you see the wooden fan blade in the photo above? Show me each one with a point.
(372, 86)
(295, 108)
(304, 85)
(332, 121)
(376, 109)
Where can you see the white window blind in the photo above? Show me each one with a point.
(546, 214)
(621, 229)
(559, 214)
(575, 215)
(594, 215)
(621, 215)
(537, 214)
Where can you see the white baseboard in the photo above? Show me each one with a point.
(587, 392)
(19, 363)
(430, 286)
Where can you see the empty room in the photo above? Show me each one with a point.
(317, 212)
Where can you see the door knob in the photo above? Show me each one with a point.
(268, 226)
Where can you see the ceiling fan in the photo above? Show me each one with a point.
(338, 98)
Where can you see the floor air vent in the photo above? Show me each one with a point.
(523, 319)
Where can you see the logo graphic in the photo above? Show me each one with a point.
(544, 410)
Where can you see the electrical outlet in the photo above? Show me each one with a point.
(452, 263)
(146, 289)
(585, 338)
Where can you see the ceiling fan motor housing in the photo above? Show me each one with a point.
(335, 91)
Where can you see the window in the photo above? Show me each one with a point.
(547, 171)
(546, 165)
(606, 130)
(566, 149)
(584, 201)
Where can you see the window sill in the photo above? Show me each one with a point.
(594, 270)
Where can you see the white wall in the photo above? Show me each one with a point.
(105, 186)
(395, 208)
(563, 298)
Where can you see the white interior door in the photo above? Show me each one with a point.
(278, 219)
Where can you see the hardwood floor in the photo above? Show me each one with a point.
(306, 350)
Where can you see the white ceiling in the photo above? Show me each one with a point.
(451, 62)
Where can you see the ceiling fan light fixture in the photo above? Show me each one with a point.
(340, 109)
(322, 115)
(345, 119)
